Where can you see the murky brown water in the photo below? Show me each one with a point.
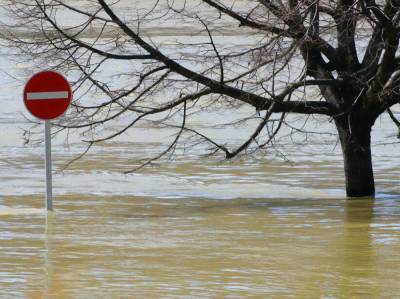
(137, 247)
(196, 227)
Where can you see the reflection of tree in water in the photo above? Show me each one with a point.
(358, 269)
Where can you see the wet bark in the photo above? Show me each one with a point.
(356, 148)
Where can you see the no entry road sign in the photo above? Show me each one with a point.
(47, 95)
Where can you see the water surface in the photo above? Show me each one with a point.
(271, 225)
(126, 246)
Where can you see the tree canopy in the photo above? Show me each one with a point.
(333, 58)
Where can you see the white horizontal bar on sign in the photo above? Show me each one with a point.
(51, 95)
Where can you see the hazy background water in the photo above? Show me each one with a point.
(274, 225)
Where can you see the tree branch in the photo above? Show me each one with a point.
(86, 46)
(258, 102)
(245, 21)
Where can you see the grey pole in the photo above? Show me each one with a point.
(49, 185)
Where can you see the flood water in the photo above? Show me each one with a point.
(143, 247)
(272, 225)
(195, 227)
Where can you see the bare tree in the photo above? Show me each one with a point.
(331, 58)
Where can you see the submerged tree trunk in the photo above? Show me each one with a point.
(356, 147)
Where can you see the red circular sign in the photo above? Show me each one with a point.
(47, 95)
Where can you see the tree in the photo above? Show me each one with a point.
(331, 58)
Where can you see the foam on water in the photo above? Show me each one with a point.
(9, 211)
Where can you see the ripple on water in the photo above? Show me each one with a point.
(8, 211)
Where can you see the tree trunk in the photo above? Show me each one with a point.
(356, 147)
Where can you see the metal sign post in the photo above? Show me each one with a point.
(49, 183)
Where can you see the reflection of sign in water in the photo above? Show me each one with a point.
(47, 95)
